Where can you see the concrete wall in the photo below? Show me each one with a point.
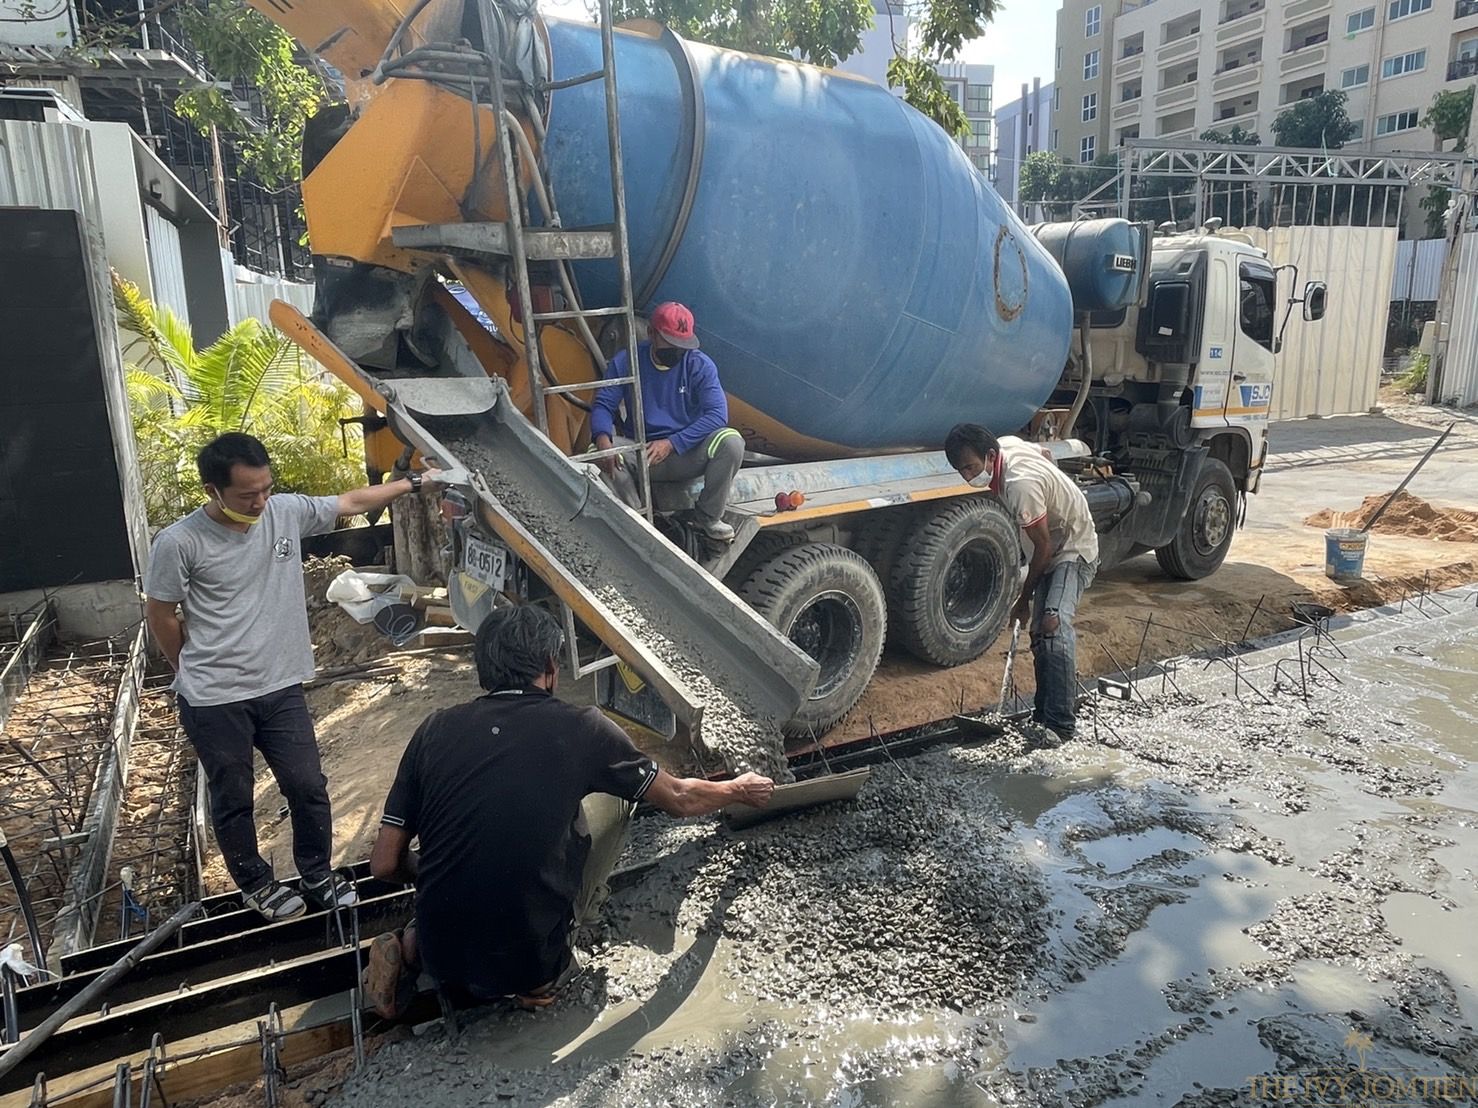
(1069, 129)
(104, 610)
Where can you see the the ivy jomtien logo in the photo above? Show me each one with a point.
(1363, 1087)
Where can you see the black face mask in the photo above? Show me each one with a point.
(666, 356)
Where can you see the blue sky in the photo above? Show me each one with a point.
(1020, 43)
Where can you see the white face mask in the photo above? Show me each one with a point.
(982, 479)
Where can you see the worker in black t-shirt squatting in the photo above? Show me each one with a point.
(521, 804)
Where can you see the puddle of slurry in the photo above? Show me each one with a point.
(1124, 999)
(1116, 853)
(1443, 937)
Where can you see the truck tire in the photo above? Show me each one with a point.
(1206, 530)
(954, 581)
(828, 601)
(878, 538)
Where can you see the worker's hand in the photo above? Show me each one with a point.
(432, 480)
(1023, 611)
(658, 451)
(609, 465)
(753, 789)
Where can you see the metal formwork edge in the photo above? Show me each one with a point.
(16, 672)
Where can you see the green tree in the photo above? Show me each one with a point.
(1318, 122)
(824, 32)
(1234, 137)
(250, 379)
(1448, 118)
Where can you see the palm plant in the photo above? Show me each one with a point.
(250, 379)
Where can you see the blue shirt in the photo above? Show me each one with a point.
(684, 404)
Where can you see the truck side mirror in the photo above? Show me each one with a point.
(1316, 300)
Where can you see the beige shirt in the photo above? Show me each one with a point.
(1033, 488)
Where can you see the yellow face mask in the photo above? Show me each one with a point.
(235, 517)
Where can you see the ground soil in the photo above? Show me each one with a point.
(1407, 515)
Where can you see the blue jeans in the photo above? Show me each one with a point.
(1054, 643)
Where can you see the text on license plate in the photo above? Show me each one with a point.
(486, 562)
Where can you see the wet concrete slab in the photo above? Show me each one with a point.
(1242, 880)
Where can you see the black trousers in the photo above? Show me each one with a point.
(277, 724)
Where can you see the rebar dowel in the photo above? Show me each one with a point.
(104, 981)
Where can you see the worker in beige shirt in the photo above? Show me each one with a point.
(1053, 513)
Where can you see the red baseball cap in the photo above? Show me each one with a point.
(674, 323)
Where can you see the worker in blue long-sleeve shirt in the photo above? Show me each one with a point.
(686, 416)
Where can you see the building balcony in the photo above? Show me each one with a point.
(1310, 57)
(1247, 121)
(1174, 97)
(1249, 26)
(1179, 50)
(1236, 78)
(1304, 9)
(1466, 8)
(1128, 67)
(1129, 109)
(1462, 69)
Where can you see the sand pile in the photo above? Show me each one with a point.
(1408, 515)
(338, 639)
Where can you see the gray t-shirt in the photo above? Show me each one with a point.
(246, 623)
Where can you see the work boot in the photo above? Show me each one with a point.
(275, 901)
(333, 891)
(716, 529)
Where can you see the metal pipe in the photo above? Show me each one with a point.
(105, 981)
(1086, 372)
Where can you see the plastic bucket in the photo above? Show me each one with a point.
(1344, 553)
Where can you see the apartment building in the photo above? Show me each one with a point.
(1083, 79)
(1171, 69)
(972, 86)
(1023, 127)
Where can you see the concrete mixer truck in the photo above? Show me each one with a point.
(861, 289)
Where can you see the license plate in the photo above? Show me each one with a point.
(485, 561)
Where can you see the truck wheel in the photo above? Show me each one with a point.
(878, 537)
(827, 601)
(1205, 534)
(954, 581)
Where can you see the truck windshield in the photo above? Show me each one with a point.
(1258, 308)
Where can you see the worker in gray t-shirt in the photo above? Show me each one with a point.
(242, 652)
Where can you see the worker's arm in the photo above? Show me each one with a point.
(1041, 538)
(164, 622)
(713, 405)
(693, 796)
(392, 859)
(372, 498)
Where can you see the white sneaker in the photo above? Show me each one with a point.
(276, 902)
(717, 530)
(332, 892)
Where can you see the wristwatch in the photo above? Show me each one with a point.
(414, 477)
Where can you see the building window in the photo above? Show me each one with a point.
(979, 133)
(1057, 100)
(1059, 57)
(1054, 141)
(1355, 76)
(1400, 9)
(1087, 149)
(1396, 121)
(1090, 65)
(1404, 63)
(1359, 21)
(1093, 20)
(977, 99)
(1357, 131)
(1090, 107)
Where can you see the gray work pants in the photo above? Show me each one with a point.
(716, 459)
(607, 819)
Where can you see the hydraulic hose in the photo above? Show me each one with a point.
(21, 893)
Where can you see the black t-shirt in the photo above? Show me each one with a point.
(493, 790)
